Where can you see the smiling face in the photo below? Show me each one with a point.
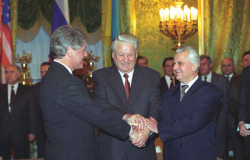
(184, 70)
(125, 57)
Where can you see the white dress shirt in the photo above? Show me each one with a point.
(209, 77)
(168, 80)
(130, 76)
(9, 92)
(229, 76)
(190, 83)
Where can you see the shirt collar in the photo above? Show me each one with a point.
(190, 83)
(15, 85)
(70, 71)
(130, 74)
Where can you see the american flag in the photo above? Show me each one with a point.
(6, 39)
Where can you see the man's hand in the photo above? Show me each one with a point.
(152, 124)
(243, 130)
(133, 134)
(31, 137)
(141, 138)
(135, 120)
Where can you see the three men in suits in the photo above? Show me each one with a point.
(17, 116)
(126, 88)
(244, 108)
(188, 122)
(168, 80)
(221, 83)
(68, 112)
(40, 136)
(233, 106)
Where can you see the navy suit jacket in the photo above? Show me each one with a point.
(187, 128)
(70, 116)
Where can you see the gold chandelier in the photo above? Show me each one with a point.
(177, 23)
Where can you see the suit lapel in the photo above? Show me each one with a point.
(188, 97)
(135, 87)
(18, 94)
(5, 97)
(117, 84)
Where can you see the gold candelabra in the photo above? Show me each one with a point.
(178, 24)
(25, 78)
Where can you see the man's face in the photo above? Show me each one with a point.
(246, 60)
(79, 56)
(125, 57)
(168, 68)
(227, 66)
(183, 69)
(44, 70)
(12, 75)
(205, 67)
(142, 62)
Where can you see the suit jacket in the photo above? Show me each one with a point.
(221, 83)
(187, 128)
(22, 119)
(233, 97)
(164, 85)
(144, 99)
(70, 116)
(244, 104)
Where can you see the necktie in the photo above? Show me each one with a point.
(12, 98)
(171, 84)
(183, 88)
(205, 79)
(127, 86)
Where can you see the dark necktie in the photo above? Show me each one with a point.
(12, 98)
(205, 79)
(172, 83)
(127, 86)
(183, 88)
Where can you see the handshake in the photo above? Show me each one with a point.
(141, 128)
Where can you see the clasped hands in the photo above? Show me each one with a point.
(141, 128)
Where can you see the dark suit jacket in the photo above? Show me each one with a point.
(233, 97)
(187, 128)
(22, 120)
(69, 115)
(221, 83)
(244, 104)
(144, 99)
(164, 85)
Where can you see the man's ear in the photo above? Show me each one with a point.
(113, 54)
(69, 51)
(195, 66)
(211, 65)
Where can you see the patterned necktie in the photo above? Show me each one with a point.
(183, 88)
(172, 83)
(205, 79)
(127, 86)
(12, 98)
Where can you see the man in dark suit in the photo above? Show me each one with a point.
(127, 88)
(187, 129)
(221, 83)
(40, 136)
(233, 105)
(244, 108)
(17, 116)
(68, 112)
(168, 80)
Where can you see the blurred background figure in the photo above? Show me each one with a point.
(142, 61)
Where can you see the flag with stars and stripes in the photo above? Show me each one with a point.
(6, 39)
(60, 16)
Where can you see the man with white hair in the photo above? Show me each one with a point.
(188, 122)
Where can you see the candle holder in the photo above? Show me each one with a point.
(25, 78)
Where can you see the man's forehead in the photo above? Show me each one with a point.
(11, 68)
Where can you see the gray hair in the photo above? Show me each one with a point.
(208, 58)
(193, 55)
(125, 38)
(65, 37)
